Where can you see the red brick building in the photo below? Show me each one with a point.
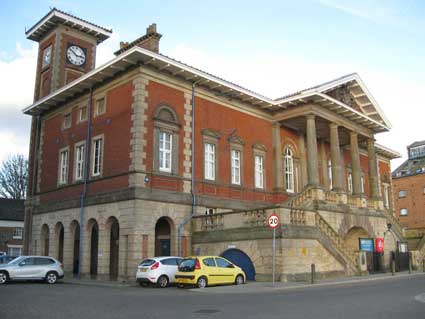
(11, 226)
(146, 155)
(409, 193)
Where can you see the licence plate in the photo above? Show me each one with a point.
(143, 270)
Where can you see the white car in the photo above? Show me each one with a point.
(32, 268)
(158, 270)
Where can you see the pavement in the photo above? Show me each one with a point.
(377, 296)
(255, 286)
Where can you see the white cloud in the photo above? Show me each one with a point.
(105, 50)
(17, 83)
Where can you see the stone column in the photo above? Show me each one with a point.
(324, 165)
(303, 161)
(337, 180)
(277, 157)
(355, 164)
(312, 163)
(373, 171)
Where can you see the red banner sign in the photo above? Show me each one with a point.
(379, 245)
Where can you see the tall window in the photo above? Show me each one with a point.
(259, 171)
(330, 174)
(67, 120)
(386, 188)
(63, 168)
(209, 161)
(99, 107)
(236, 167)
(289, 170)
(165, 149)
(79, 161)
(82, 113)
(362, 183)
(97, 156)
(350, 183)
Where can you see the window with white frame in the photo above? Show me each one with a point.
(67, 120)
(97, 156)
(350, 183)
(165, 151)
(209, 161)
(82, 114)
(79, 161)
(259, 171)
(99, 106)
(362, 181)
(236, 167)
(403, 212)
(15, 251)
(18, 232)
(402, 194)
(63, 166)
(330, 174)
(289, 170)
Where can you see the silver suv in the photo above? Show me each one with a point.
(32, 268)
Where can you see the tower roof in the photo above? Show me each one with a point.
(55, 17)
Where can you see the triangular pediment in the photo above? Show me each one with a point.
(351, 91)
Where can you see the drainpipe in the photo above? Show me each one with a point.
(192, 188)
(86, 179)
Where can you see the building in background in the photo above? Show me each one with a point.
(146, 155)
(409, 196)
(11, 226)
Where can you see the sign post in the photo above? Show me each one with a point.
(273, 222)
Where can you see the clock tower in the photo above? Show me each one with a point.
(67, 49)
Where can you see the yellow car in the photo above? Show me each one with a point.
(204, 271)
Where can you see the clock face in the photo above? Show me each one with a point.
(76, 55)
(47, 56)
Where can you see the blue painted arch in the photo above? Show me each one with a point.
(239, 258)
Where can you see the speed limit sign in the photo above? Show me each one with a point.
(273, 220)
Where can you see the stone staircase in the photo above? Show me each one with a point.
(298, 217)
(338, 242)
(396, 226)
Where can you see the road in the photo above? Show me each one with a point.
(395, 298)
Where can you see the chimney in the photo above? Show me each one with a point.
(149, 41)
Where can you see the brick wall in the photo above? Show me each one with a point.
(414, 201)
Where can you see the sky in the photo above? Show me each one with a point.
(271, 47)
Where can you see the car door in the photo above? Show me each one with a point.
(42, 266)
(227, 270)
(26, 268)
(169, 267)
(211, 270)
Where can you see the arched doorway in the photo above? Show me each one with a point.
(163, 237)
(352, 238)
(94, 246)
(60, 238)
(239, 258)
(75, 230)
(113, 247)
(45, 240)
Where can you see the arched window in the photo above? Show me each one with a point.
(289, 170)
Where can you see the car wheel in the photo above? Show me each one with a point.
(143, 284)
(3, 277)
(239, 280)
(162, 281)
(202, 282)
(51, 277)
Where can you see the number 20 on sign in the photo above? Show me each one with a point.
(273, 220)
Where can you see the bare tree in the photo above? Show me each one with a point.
(14, 177)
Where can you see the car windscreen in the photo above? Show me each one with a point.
(147, 262)
(16, 260)
(187, 265)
